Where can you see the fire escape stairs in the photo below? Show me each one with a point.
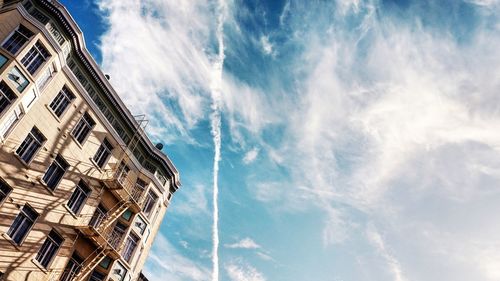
(90, 263)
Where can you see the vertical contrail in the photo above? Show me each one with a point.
(215, 120)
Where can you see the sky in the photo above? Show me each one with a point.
(359, 140)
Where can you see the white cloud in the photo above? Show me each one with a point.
(166, 263)
(251, 155)
(192, 203)
(245, 243)
(239, 272)
(267, 47)
(394, 266)
(162, 44)
(412, 120)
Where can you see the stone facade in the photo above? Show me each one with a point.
(83, 190)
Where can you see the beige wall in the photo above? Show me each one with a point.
(16, 261)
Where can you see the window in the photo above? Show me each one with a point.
(119, 271)
(55, 172)
(140, 225)
(6, 96)
(97, 276)
(3, 60)
(35, 57)
(116, 235)
(98, 217)
(83, 128)
(30, 145)
(103, 153)
(10, 121)
(106, 262)
(22, 224)
(45, 77)
(61, 102)
(129, 248)
(29, 98)
(49, 248)
(18, 78)
(122, 172)
(17, 40)
(149, 204)
(138, 190)
(5, 190)
(78, 198)
(72, 268)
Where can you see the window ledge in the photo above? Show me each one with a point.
(76, 141)
(26, 165)
(43, 269)
(95, 164)
(7, 237)
(45, 186)
(71, 212)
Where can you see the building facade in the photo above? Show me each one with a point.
(82, 189)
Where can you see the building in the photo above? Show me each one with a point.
(82, 189)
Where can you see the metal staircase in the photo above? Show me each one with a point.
(90, 263)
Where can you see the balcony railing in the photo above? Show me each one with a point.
(102, 232)
(124, 188)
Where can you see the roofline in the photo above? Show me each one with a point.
(71, 27)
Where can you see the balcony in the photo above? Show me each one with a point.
(119, 183)
(99, 229)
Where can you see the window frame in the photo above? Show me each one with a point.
(106, 147)
(4, 184)
(30, 59)
(41, 143)
(59, 166)
(26, 216)
(153, 204)
(67, 95)
(87, 123)
(23, 45)
(79, 186)
(49, 239)
(5, 90)
(134, 238)
(76, 262)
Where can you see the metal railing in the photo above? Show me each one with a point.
(123, 186)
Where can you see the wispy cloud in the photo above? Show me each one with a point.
(243, 272)
(245, 243)
(166, 263)
(194, 203)
(164, 77)
(394, 266)
(251, 155)
(267, 47)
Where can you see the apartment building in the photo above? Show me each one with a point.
(83, 190)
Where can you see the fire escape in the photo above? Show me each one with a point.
(101, 229)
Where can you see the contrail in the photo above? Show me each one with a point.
(215, 120)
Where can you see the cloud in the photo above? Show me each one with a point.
(251, 155)
(390, 117)
(194, 203)
(267, 47)
(394, 266)
(385, 122)
(163, 46)
(245, 243)
(239, 272)
(166, 263)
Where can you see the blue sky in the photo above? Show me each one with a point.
(359, 139)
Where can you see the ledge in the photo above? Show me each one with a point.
(70, 212)
(7, 237)
(43, 269)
